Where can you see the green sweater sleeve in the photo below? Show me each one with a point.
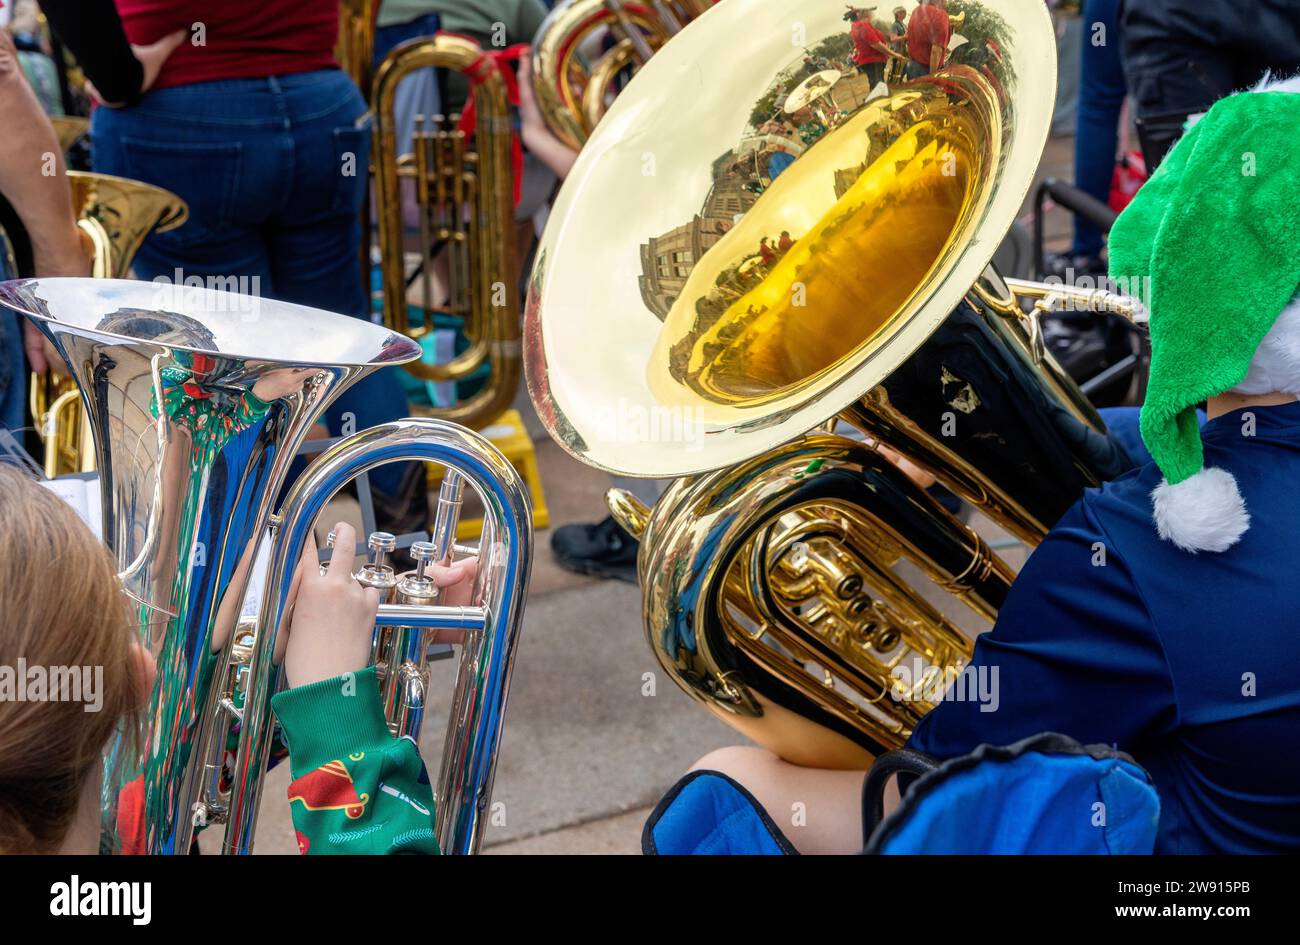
(355, 789)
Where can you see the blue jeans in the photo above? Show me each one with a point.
(274, 171)
(1101, 100)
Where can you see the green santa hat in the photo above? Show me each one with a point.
(1211, 246)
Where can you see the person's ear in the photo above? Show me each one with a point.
(143, 670)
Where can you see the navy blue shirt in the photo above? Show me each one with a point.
(1190, 663)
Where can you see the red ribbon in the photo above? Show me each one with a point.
(503, 61)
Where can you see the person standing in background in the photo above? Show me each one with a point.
(1181, 56)
(898, 29)
(1102, 91)
(897, 43)
(928, 32)
(870, 49)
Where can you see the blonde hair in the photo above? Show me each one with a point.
(60, 606)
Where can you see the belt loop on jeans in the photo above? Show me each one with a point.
(276, 89)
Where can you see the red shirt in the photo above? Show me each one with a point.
(864, 34)
(241, 39)
(927, 27)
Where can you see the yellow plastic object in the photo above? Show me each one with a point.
(509, 435)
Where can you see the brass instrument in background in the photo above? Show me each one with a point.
(355, 48)
(114, 215)
(355, 52)
(462, 194)
(804, 254)
(199, 400)
(573, 92)
(117, 214)
(69, 129)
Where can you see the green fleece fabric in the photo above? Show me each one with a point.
(356, 788)
(1211, 245)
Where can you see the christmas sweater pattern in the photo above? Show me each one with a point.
(355, 788)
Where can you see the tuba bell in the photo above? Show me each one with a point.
(198, 401)
(810, 248)
(115, 215)
(69, 129)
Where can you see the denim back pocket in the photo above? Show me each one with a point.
(204, 175)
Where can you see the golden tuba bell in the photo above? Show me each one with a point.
(69, 129)
(802, 248)
(115, 215)
(462, 195)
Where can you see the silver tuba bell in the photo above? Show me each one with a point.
(199, 401)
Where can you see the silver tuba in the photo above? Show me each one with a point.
(199, 401)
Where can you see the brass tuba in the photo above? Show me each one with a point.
(198, 401)
(462, 194)
(573, 86)
(115, 215)
(804, 248)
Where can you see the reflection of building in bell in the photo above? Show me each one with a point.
(846, 178)
(667, 259)
(666, 263)
(728, 198)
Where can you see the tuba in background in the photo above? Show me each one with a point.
(69, 129)
(803, 252)
(197, 402)
(115, 215)
(460, 191)
(575, 75)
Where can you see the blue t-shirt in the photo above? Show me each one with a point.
(1190, 663)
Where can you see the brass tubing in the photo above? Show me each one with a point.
(493, 329)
